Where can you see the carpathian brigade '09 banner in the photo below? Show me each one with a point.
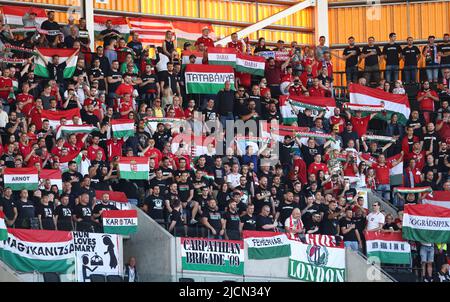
(97, 254)
(201, 254)
(208, 79)
(315, 263)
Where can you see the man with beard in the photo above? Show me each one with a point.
(231, 222)
(212, 221)
(154, 205)
(63, 215)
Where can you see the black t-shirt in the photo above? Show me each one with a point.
(394, 226)
(169, 79)
(214, 218)
(8, 160)
(249, 223)
(371, 60)
(184, 189)
(151, 86)
(210, 114)
(161, 183)
(410, 54)
(136, 46)
(25, 210)
(8, 207)
(350, 236)
(347, 136)
(445, 49)
(56, 72)
(112, 87)
(161, 139)
(285, 209)
(259, 204)
(48, 139)
(433, 168)
(392, 51)
(360, 224)
(46, 212)
(261, 221)
(176, 216)
(309, 225)
(329, 226)
(83, 212)
(420, 121)
(233, 221)
(107, 39)
(309, 153)
(64, 213)
(431, 138)
(100, 206)
(97, 72)
(441, 161)
(90, 119)
(353, 60)
(350, 194)
(286, 152)
(155, 206)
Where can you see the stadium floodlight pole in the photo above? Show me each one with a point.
(270, 20)
(87, 10)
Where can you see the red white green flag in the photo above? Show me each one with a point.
(289, 105)
(190, 31)
(65, 55)
(267, 245)
(118, 199)
(134, 168)
(250, 64)
(122, 128)
(390, 248)
(69, 129)
(438, 198)
(122, 222)
(55, 177)
(426, 223)
(54, 117)
(150, 31)
(208, 79)
(118, 23)
(3, 229)
(187, 53)
(38, 251)
(222, 56)
(21, 178)
(13, 14)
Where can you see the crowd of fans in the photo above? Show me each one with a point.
(309, 190)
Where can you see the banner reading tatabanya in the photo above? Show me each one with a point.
(208, 79)
(201, 254)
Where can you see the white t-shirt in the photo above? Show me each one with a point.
(234, 179)
(162, 63)
(373, 220)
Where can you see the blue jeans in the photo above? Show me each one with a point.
(353, 245)
(384, 190)
(391, 73)
(351, 74)
(432, 72)
(410, 74)
(225, 118)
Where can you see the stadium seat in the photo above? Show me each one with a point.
(186, 280)
(97, 278)
(114, 278)
(51, 277)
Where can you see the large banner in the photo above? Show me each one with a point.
(97, 254)
(315, 263)
(201, 254)
(208, 79)
(38, 250)
(267, 245)
(390, 248)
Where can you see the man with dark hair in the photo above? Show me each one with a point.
(51, 25)
(82, 214)
(109, 33)
(411, 56)
(391, 53)
(351, 54)
(371, 53)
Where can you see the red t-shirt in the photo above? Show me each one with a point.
(124, 88)
(24, 149)
(296, 91)
(360, 124)
(114, 148)
(56, 151)
(158, 157)
(245, 79)
(74, 148)
(5, 83)
(328, 65)
(337, 121)
(382, 172)
(318, 92)
(34, 159)
(36, 118)
(22, 98)
(444, 133)
(314, 168)
(124, 107)
(92, 153)
(427, 103)
(239, 46)
(419, 157)
(208, 42)
(349, 171)
(179, 113)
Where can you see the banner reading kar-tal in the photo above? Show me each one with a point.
(315, 263)
(97, 254)
(201, 254)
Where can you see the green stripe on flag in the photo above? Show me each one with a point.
(69, 71)
(24, 264)
(41, 70)
(269, 252)
(233, 64)
(391, 257)
(254, 71)
(421, 235)
(123, 133)
(121, 230)
(205, 88)
(134, 175)
(3, 234)
(225, 268)
(22, 186)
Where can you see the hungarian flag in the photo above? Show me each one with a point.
(55, 177)
(426, 223)
(190, 31)
(250, 64)
(267, 245)
(69, 129)
(64, 161)
(393, 103)
(438, 198)
(122, 222)
(64, 53)
(390, 248)
(3, 229)
(150, 31)
(13, 14)
(54, 117)
(119, 23)
(208, 79)
(187, 53)
(134, 168)
(21, 178)
(221, 56)
(122, 128)
(300, 103)
(416, 190)
(38, 251)
(119, 199)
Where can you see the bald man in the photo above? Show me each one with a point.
(294, 225)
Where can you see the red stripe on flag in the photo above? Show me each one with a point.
(427, 210)
(113, 196)
(2, 215)
(250, 58)
(383, 236)
(221, 50)
(32, 170)
(259, 234)
(22, 10)
(57, 115)
(137, 160)
(121, 121)
(41, 235)
(62, 52)
(50, 174)
(379, 94)
(120, 214)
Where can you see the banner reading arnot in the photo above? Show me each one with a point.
(315, 263)
(201, 254)
(97, 254)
